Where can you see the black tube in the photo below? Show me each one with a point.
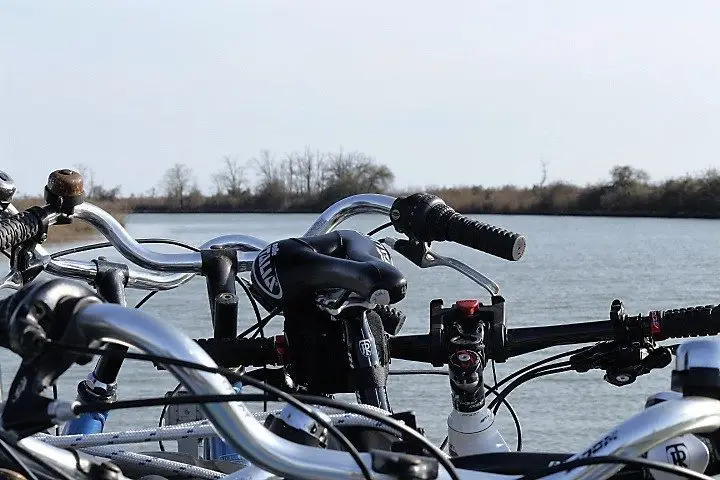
(519, 340)
(530, 339)
(368, 372)
(110, 283)
(219, 267)
(226, 310)
(415, 348)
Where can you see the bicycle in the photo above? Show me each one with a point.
(356, 288)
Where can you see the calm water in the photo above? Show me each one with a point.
(572, 270)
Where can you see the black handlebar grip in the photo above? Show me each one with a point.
(685, 322)
(428, 218)
(20, 228)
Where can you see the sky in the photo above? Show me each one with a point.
(444, 93)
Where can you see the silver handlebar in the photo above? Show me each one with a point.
(348, 207)
(145, 280)
(184, 265)
(192, 262)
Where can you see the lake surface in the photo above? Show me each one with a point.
(572, 270)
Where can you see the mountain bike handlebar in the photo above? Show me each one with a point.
(423, 217)
(657, 325)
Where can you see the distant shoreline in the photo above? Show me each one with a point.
(713, 216)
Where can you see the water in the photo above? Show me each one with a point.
(573, 268)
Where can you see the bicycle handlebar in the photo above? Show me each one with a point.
(22, 226)
(144, 280)
(673, 323)
(192, 262)
(426, 218)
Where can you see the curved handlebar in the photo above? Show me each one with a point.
(192, 262)
(348, 207)
(185, 265)
(131, 249)
(145, 280)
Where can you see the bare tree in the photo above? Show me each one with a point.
(177, 183)
(355, 172)
(543, 178)
(99, 192)
(310, 165)
(625, 175)
(87, 174)
(218, 180)
(231, 179)
(290, 170)
(268, 169)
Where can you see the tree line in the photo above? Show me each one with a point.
(628, 192)
(298, 181)
(310, 180)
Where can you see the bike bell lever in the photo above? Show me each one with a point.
(424, 257)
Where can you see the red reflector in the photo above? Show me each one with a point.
(468, 307)
(281, 349)
(655, 322)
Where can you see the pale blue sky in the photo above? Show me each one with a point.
(476, 90)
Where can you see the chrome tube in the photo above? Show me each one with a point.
(333, 216)
(88, 270)
(132, 250)
(234, 422)
(191, 263)
(348, 207)
(136, 278)
(71, 268)
(147, 280)
(186, 265)
(646, 430)
(241, 242)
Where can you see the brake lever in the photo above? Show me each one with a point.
(424, 257)
(12, 280)
(336, 303)
(622, 363)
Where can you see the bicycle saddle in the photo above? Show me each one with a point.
(298, 269)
